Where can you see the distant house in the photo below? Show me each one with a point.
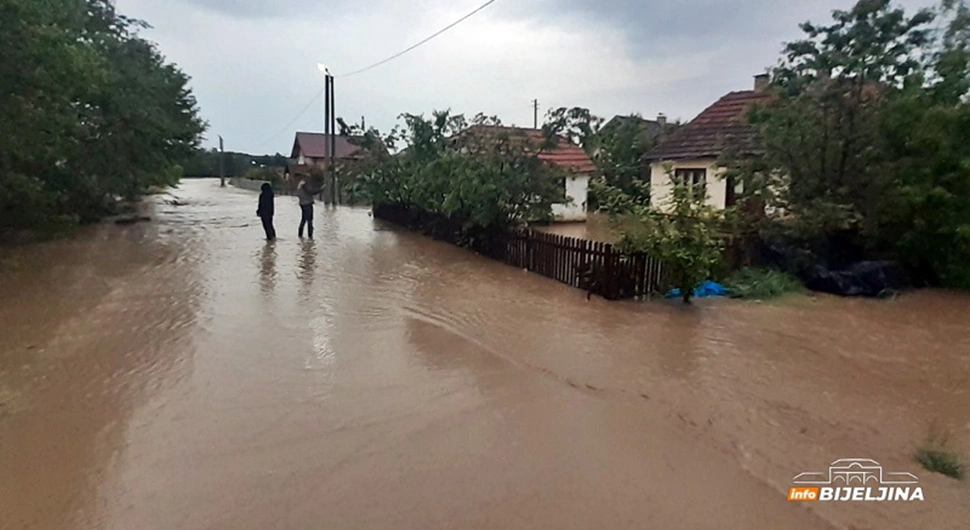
(654, 128)
(565, 155)
(693, 150)
(310, 149)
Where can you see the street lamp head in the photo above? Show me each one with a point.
(323, 68)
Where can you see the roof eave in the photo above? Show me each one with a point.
(693, 156)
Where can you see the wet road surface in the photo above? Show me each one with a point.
(185, 374)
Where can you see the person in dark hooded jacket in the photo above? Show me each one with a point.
(266, 210)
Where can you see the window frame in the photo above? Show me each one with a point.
(693, 177)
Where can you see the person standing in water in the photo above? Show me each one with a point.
(305, 193)
(266, 210)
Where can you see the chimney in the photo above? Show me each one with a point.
(761, 82)
(662, 119)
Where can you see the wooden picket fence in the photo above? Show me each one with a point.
(595, 267)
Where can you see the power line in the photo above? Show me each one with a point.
(375, 65)
(396, 55)
(288, 125)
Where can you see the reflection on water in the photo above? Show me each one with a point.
(308, 261)
(147, 380)
(267, 267)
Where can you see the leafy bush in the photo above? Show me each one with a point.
(486, 176)
(616, 201)
(684, 238)
(26, 204)
(762, 284)
(266, 174)
(942, 462)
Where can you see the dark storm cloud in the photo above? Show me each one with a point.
(254, 62)
(665, 26)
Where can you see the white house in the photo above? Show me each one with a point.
(577, 192)
(692, 152)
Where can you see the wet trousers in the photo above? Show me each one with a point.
(268, 226)
(306, 220)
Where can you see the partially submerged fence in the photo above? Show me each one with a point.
(589, 265)
(595, 267)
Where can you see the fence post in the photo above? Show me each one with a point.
(610, 273)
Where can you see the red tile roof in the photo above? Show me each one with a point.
(566, 155)
(721, 126)
(313, 145)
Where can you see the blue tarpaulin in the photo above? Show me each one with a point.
(704, 290)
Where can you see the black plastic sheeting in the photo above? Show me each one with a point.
(861, 278)
(866, 278)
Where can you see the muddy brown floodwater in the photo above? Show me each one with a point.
(185, 374)
(596, 228)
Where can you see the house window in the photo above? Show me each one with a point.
(560, 190)
(695, 179)
(730, 198)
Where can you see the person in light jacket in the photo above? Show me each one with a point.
(305, 194)
(265, 211)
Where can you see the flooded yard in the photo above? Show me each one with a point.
(185, 374)
(596, 228)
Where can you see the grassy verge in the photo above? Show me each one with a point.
(942, 462)
(934, 456)
(762, 284)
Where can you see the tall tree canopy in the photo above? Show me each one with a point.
(868, 139)
(578, 125)
(89, 111)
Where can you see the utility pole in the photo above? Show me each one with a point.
(329, 137)
(535, 109)
(335, 195)
(327, 158)
(222, 164)
(363, 124)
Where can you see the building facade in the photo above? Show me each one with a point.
(692, 154)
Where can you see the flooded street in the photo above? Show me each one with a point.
(185, 374)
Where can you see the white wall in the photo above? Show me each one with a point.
(577, 189)
(660, 186)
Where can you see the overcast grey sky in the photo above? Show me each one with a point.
(253, 62)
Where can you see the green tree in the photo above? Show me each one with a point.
(864, 149)
(619, 153)
(823, 129)
(684, 238)
(578, 125)
(488, 178)
(924, 219)
(89, 112)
